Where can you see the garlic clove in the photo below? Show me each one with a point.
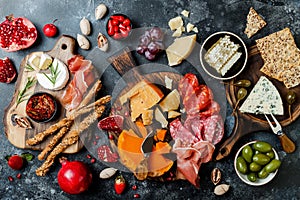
(100, 11)
(221, 189)
(102, 42)
(85, 26)
(83, 42)
(107, 173)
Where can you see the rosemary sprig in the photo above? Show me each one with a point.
(22, 93)
(54, 73)
(29, 68)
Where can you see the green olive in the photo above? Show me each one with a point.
(271, 154)
(243, 83)
(252, 177)
(247, 153)
(272, 166)
(290, 97)
(241, 165)
(261, 146)
(263, 173)
(254, 167)
(261, 159)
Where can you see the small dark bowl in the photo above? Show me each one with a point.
(239, 65)
(119, 36)
(43, 112)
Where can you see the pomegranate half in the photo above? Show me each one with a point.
(74, 177)
(17, 33)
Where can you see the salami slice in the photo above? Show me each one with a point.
(213, 129)
(177, 130)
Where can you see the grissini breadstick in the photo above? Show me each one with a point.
(71, 138)
(54, 141)
(38, 138)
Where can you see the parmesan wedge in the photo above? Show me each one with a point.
(180, 49)
(175, 23)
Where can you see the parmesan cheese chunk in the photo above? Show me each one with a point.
(185, 13)
(175, 23)
(180, 49)
(189, 27)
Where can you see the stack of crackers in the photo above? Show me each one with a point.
(281, 57)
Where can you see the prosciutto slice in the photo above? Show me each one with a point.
(189, 159)
(83, 77)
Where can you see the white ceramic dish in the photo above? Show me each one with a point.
(239, 65)
(259, 181)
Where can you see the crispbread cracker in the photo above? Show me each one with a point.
(281, 57)
(254, 23)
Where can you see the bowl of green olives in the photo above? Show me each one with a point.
(256, 163)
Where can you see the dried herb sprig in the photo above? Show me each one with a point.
(54, 73)
(22, 93)
(29, 68)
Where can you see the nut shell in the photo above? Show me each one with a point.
(85, 26)
(83, 42)
(100, 11)
(107, 173)
(216, 176)
(102, 42)
(221, 189)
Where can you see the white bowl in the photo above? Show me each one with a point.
(259, 181)
(239, 65)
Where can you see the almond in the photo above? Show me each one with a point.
(100, 11)
(85, 26)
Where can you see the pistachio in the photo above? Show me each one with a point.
(102, 42)
(216, 176)
(21, 121)
(100, 11)
(107, 173)
(85, 26)
(221, 189)
(83, 42)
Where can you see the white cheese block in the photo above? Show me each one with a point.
(222, 54)
(61, 80)
(230, 63)
(264, 98)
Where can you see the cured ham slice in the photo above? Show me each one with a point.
(189, 159)
(71, 97)
(177, 130)
(83, 77)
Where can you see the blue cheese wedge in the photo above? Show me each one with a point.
(263, 99)
(223, 54)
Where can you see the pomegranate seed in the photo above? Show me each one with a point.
(111, 137)
(95, 143)
(97, 137)
(89, 156)
(119, 108)
(19, 176)
(134, 187)
(136, 196)
(93, 160)
(10, 178)
(126, 114)
(169, 179)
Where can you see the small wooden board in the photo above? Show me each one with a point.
(62, 50)
(248, 123)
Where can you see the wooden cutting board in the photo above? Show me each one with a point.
(248, 123)
(62, 50)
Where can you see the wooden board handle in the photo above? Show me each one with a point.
(287, 144)
(64, 48)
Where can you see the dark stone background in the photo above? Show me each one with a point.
(209, 16)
